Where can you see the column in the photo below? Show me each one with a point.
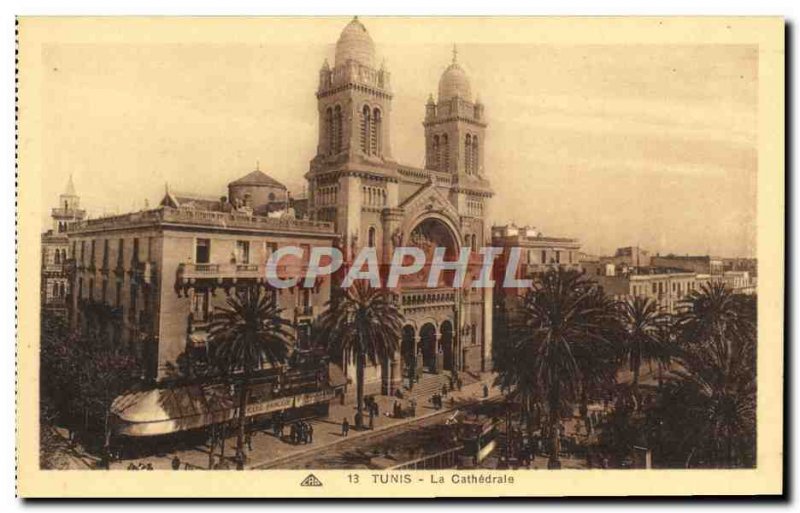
(396, 367)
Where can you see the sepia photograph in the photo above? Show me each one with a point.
(396, 256)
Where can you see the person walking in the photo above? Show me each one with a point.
(371, 418)
(310, 433)
(345, 427)
(248, 440)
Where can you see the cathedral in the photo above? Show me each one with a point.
(373, 200)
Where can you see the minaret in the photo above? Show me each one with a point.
(68, 210)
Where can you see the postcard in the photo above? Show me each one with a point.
(400, 256)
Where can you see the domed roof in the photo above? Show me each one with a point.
(454, 82)
(356, 44)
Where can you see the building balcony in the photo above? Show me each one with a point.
(191, 271)
(71, 213)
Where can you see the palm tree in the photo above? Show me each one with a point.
(597, 357)
(715, 312)
(643, 322)
(363, 325)
(712, 389)
(248, 332)
(560, 318)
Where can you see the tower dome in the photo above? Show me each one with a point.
(355, 44)
(454, 82)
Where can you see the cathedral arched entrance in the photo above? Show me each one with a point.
(428, 345)
(447, 342)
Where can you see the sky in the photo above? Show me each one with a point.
(615, 144)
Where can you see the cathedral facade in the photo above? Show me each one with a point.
(372, 200)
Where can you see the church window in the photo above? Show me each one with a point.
(337, 129)
(468, 154)
(445, 159)
(474, 158)
(435, 153)
(329, 129)
(365, 130)
(375, 129)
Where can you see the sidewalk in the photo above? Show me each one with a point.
(269, 451)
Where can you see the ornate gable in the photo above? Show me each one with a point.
(429, 199)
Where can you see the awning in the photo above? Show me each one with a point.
(169, 410)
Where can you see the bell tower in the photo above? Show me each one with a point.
(455, 126)
(354, 100)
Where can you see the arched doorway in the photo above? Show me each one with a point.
(447, 345)
(427, 336)
(428, 235)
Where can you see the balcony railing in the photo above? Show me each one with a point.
(221, 271)
(204, 218)
(427, 298)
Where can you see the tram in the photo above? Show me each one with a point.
(478, 438)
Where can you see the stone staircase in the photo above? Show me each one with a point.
(428, 385)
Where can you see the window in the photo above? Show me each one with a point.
(135, 254)
(58, 257)
(445, 159)
(120, 252)
(55, 289)
(80, 288)
(104, 291)
(200, 306)
(544, 256)
(474, 157)
(375, 130)
(329, 129)
(92, 261)
(269, 249)
(242, 252)
(202, 251)
(655, 288)
(105, 254)
(468, 153)
(435, 153)
(558, 257)
(371, 237)
(83, 252)
(365, 130)
(118, 299)
(337, 129)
